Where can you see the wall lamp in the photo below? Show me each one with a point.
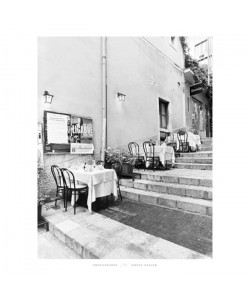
(47, 97)
(121, 97)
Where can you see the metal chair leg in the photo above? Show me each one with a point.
(66, 200)
(74, 202)
(64, 196)
(119, 190)
(56, 196)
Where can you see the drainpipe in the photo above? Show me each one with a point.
(184, 101)
(104, 98)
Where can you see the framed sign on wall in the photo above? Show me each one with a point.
(66, 133)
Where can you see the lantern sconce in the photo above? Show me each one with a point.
(47, 97)
(120, 96)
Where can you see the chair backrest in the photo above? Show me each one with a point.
(57, 174)
(182, 136)
(117, 166)
(68, 178)
(147, 147)
(133, 149)
(170, 137)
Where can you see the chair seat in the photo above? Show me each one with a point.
(83, 186)
(151, 157)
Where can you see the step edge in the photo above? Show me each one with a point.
(183, 186)
(83, 247)
(204, 202)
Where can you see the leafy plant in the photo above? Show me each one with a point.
(200, 71)
(112, 156)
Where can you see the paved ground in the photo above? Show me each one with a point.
(95, 236)
(49, 247)
(189, 230)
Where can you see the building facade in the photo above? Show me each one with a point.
(133, 89)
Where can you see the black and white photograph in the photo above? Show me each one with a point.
(128, 172)
(145, 190)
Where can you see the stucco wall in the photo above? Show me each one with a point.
(138, 71)
(70, 69)
(173, 52)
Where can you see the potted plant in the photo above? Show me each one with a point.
(125, 159)
(40, 203)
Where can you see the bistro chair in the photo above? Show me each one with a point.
(171, 141)
(183, 143)
(148, 147)
(72, 186)
(57, 174)
(134, 151)
(117, 166)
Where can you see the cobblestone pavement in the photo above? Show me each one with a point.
(50, 247)
(186, 229)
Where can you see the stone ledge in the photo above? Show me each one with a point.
(113, 240)
(184, 203)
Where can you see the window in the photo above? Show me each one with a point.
(173, 40)
(163, 110)
(201, 50)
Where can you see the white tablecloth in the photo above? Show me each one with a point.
(193, 140)
(100, 183)
(164, 152)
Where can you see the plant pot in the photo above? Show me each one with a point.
(39, 212)
(127, 170)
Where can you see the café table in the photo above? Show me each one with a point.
(164, 152)
(100, 183)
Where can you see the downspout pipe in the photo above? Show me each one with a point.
(104, 98)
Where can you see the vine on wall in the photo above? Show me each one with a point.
(200, 71)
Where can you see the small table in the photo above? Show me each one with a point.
(100, 183)
(165, 152)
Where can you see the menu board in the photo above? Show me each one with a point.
(68, 133)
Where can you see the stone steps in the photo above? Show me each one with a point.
(193, 166)
(207, 142)
(197, 154)
(206, 148)
(179, 176)
(200, 192)
(199, 160)
(94, 236)
(186, 204)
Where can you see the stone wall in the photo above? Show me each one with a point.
(46, 182)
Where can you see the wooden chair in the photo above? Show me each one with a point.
(57, 174)
(134, 150)
(183, 143)
(72, 186)
(148, 147)
(171, 141)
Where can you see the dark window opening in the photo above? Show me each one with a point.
(172, 39)
(164, 116)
